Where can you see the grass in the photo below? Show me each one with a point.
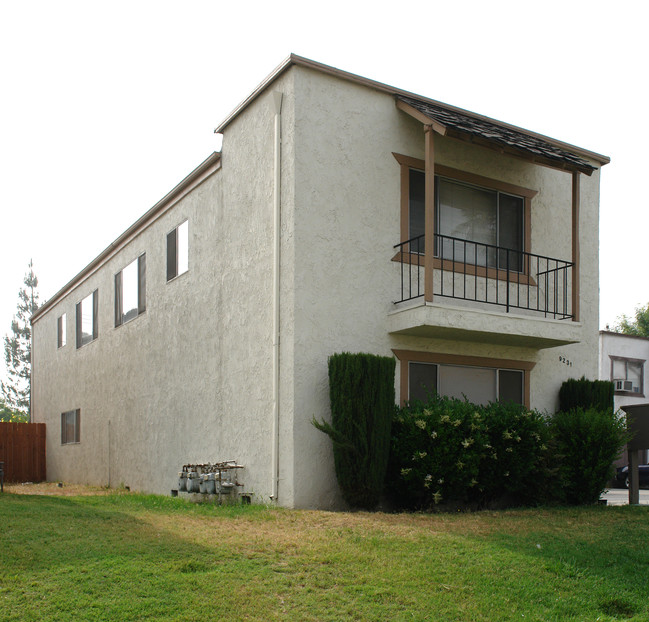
(135, 557)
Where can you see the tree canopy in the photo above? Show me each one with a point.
(637, 325)
(18, 349)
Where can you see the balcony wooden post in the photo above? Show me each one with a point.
(575, 246)
(429, 212)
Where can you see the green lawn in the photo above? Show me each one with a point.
(134, 557)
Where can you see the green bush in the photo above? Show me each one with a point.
(586, 442)
(361, 392)
(582, 393)
(449, 450)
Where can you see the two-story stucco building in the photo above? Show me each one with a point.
(340, 215)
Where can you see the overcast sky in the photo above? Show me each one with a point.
(106, 106)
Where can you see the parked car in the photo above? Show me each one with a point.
(622, 477)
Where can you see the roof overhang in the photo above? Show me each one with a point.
(584, 157)
(496, 136)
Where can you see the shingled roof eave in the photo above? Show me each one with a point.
(501, 137)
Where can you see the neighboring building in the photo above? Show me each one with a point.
(202, 333)
(622, 359)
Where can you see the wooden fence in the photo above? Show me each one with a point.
(22, 449)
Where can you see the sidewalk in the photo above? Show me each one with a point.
(620, 496)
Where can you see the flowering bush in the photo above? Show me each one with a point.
(449, 450)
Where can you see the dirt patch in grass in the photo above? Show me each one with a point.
(59, 489)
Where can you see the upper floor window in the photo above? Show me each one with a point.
(70, 427)
(130, 291)
(490, 218)
(61, 331)
(627, 375)
(178, 250)
(87, 319)
(478, 221)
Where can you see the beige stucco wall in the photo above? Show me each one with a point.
(191, 379)
(347, 221)
(143, 388)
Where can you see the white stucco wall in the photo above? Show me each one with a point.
(628, 347)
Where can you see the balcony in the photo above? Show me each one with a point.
(499, 295)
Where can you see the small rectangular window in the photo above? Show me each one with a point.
(130, 291)
(87, 319)
(178, 251)
(71, 427)
(61, 330)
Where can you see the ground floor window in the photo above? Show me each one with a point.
(70, 427)
(479, 379)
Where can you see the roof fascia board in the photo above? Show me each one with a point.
(267, 81)
(421, 117)
(294, 59)
(204, 170)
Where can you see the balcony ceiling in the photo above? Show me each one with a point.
(440, 321)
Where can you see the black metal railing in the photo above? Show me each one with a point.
(486, 273)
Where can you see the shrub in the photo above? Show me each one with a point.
(587, 441)
(513, 470)
(584, 393)
(361, 392)
(452, 450)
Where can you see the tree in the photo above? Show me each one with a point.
(6, 414)
(18, 349)
(638, 326)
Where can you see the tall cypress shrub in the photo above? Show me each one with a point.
(582, 393)
(587, 441)
(361, 392)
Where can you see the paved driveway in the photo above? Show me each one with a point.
(620, 496)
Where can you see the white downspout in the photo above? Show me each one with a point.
(277, 105)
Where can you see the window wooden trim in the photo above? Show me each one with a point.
(408, 162)
(627, 359)
(407, 356)
(448, 265)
